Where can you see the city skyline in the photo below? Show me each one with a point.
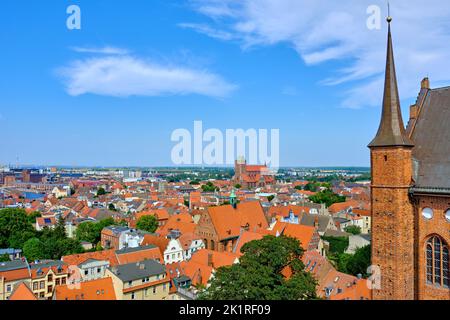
(224, 64)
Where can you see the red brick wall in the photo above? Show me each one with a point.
(439, 226)
(392, 222)
(205, 230)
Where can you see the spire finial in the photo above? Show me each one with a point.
(389, 18)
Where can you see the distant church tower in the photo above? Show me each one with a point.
(392, 212)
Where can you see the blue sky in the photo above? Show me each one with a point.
(312, 71)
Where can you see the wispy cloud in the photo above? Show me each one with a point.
(207, 30)
(102, 50)
(322, 31)
(124, 75)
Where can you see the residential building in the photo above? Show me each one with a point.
(145, 280)
(46, 275)
(12, 273)
(220, 227)
(119, 237)
(90, 265)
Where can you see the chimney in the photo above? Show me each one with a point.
(413, 112)
(210, 260)
(141, 266)
(425, 84)
(316, 222)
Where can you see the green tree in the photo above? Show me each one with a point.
(105, 223)
(98, 247)
(270, 198)
(312, 186)
(337, 244)
(353, 230)
(32, 217)
(260, 273)
(359, 262)
(4, 258)
(209, 187)
(111, 207)
(59, 232)
(147, 223)
(18, 239)
(34, 249)
(238, 186)
(87, 231)
(12, 221)
(327, 196)
(101, 191)
(91, 231)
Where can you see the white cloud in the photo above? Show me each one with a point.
(324, 30)
(123, 76)
(102, 50)
(207, 30)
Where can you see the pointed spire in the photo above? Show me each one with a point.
(391, 131)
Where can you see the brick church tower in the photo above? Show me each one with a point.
(392, 212)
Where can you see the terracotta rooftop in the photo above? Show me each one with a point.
(100, 289)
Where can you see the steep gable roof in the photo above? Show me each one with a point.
(302, 233)
(431, 135)
(229, 221)
(245, 237)
(22, 292)
(160, 242)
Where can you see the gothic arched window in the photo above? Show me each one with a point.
(437, 262)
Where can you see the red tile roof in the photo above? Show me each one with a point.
(228, 221)
(147, 253)
(219, 259)
(101, 289)
(244, 238)
(22, 292)
(104, 255)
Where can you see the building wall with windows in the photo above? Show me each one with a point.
(43, 285)
(433, 247)
(148, 288)
(7, 286)
(93, 269)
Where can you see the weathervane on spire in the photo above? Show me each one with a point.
(389, 18)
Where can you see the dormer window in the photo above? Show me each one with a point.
(427, 213)
(447, 215)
